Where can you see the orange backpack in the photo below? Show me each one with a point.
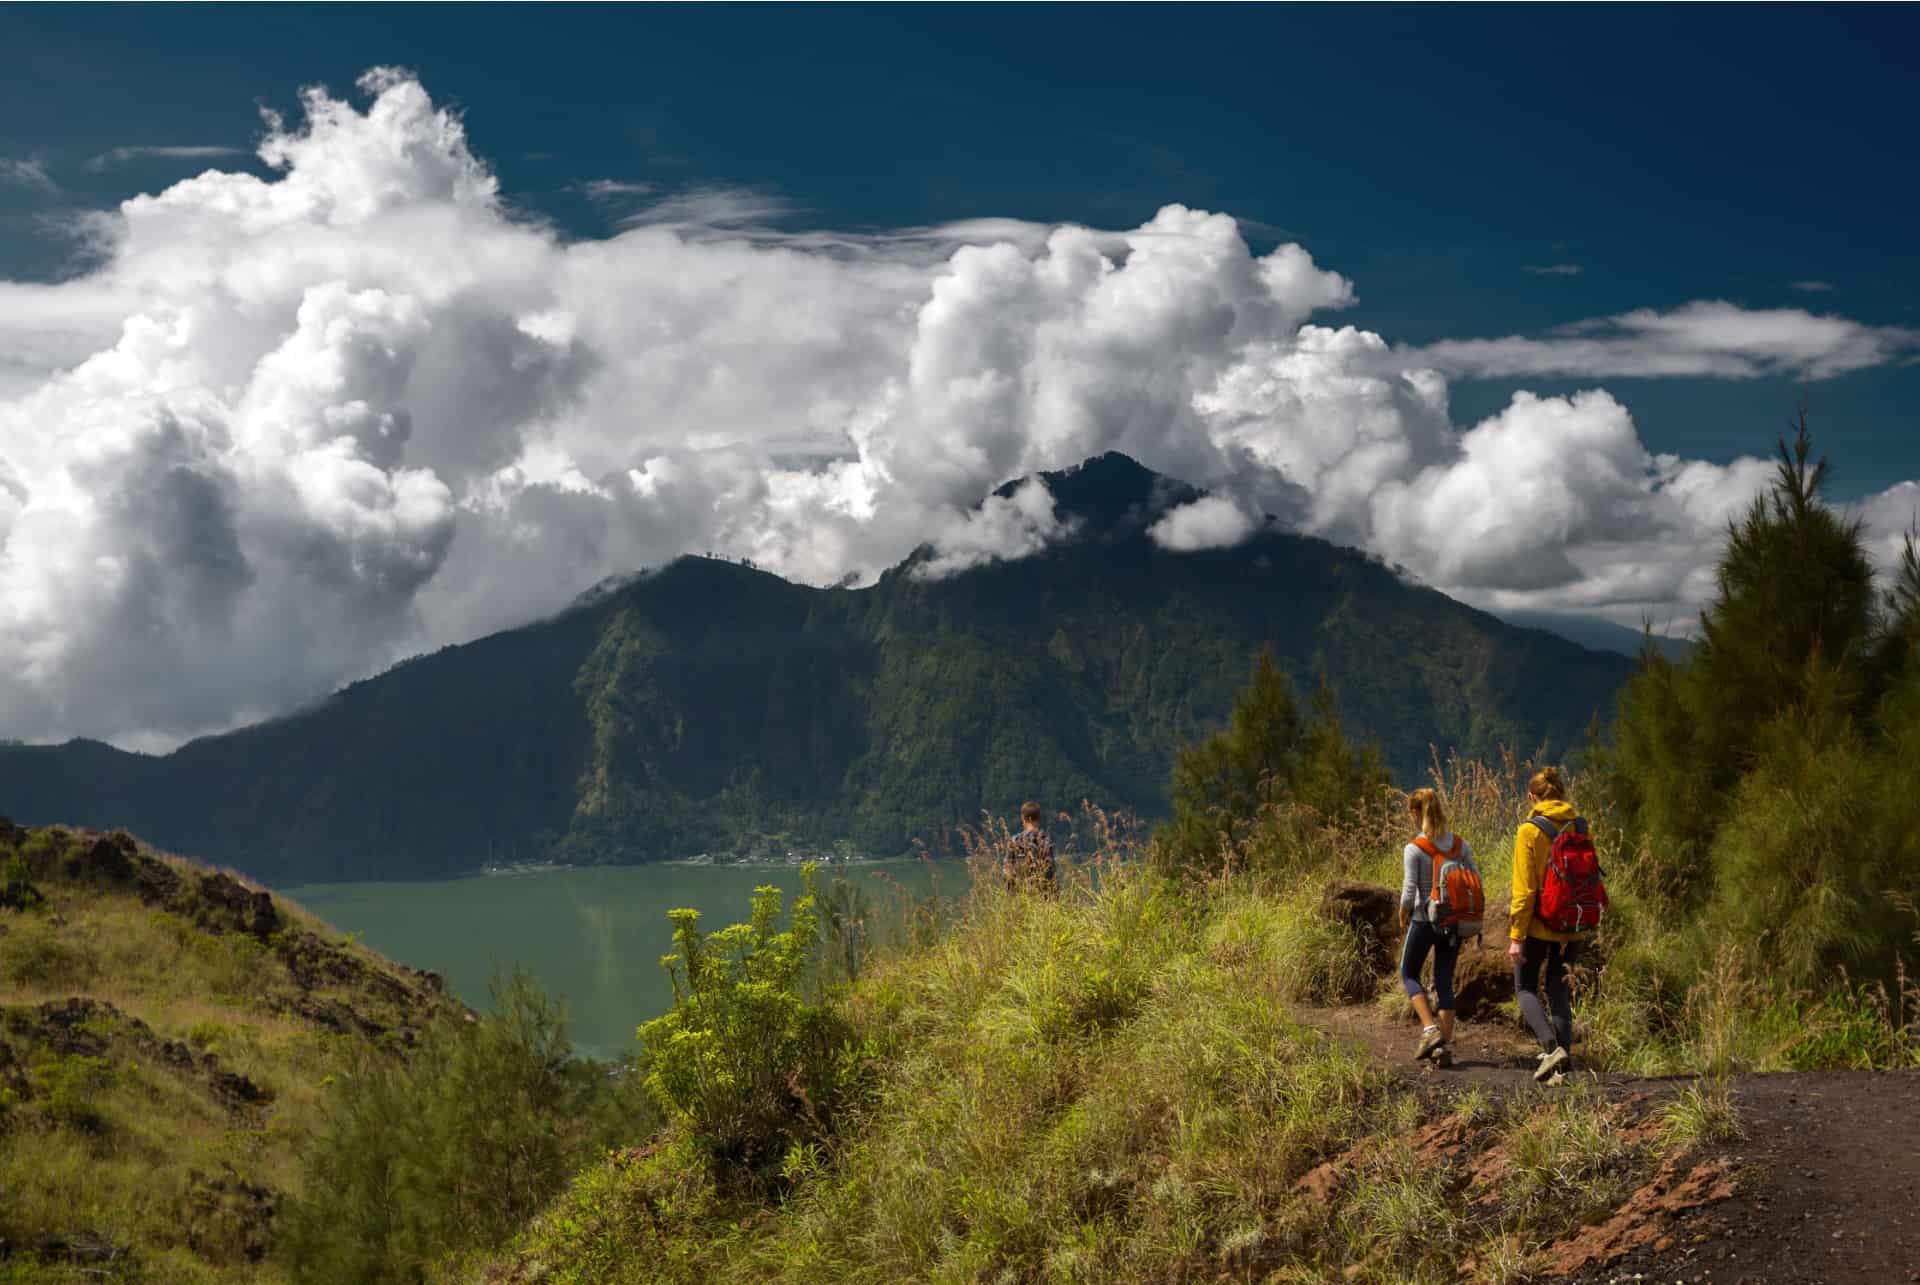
(1459, 902)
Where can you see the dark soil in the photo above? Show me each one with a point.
(1829, 1190)
(1824, 1189)
(1493, 1054)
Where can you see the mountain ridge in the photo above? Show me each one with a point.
(708, 705)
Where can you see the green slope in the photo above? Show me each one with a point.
(706, 706)
(167, 1034)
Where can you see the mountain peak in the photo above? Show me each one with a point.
(1110, 493)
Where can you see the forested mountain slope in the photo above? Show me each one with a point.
(709, 706)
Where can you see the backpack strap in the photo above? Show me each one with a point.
(1548, 828)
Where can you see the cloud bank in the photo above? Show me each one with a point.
(292, 428)
(1704, 338)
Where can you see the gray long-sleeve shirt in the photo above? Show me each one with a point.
(1416, 880)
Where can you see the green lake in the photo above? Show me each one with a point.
(593, 936)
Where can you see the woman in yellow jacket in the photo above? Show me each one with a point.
(1541, 955)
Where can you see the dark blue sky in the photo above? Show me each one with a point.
(1430, 154)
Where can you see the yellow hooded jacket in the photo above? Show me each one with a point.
(1531, 848)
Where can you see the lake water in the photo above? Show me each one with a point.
(592, 936)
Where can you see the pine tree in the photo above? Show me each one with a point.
(1334, 772)
(1794, 610)
(1221, 784)
(1268, 752)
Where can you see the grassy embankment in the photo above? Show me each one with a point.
(1118, 1084)
(165, 1048)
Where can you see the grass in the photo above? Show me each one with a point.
(1701, 1113)
(1109, 1085)
(123, 1160)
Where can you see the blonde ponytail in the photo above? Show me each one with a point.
(1427, 811)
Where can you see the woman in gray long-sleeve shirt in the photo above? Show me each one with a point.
(1434, 842)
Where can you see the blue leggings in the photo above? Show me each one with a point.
(1421, 938)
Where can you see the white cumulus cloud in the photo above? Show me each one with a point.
(292, 427)
(1210, 522)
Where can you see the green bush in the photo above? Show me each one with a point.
(1802, 863)
(450, 1151)
(744, 1058)
(1225, 787)
(33, 954)
(68, 1089)
(1858, 1026)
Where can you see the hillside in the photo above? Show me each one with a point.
(167, 1033)
(710, 706)
(1141, 1081)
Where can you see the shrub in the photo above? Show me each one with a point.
(33, 954)
(1312, 958)
(454, 1149)
(743, 1057)
(1858, 1026)
(69, 1087)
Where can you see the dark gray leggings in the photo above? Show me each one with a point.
(1552, 959)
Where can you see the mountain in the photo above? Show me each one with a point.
(710, 706)
(1600, 634)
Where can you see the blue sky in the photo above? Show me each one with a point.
(1431, 154)
(295, 381)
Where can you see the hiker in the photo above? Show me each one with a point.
(1029, 859)
(1436, 861)
(1557, 899)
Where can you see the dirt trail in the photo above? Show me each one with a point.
(1829, 1189)
(1824, 1189)
(1492, 1055)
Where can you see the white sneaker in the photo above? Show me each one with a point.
(1429, 1041)
(1557, 1079)
(1550, 1064)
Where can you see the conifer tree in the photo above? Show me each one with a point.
(1334, 772)
(1267, 752)
(1794, 612)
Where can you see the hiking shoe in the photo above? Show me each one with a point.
(1550, 1063)
(1557, 1079)
(1443, 1056)
(1430, 1040)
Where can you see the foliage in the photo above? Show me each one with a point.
(452, 1149)
(36, 953)
(69, 1086)
(1267, 755)
(744, 1059)
(1766, 783)
(1105, 1084)
(122, 1155)
(846, 931)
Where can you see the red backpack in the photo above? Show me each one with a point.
(1572, 897)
